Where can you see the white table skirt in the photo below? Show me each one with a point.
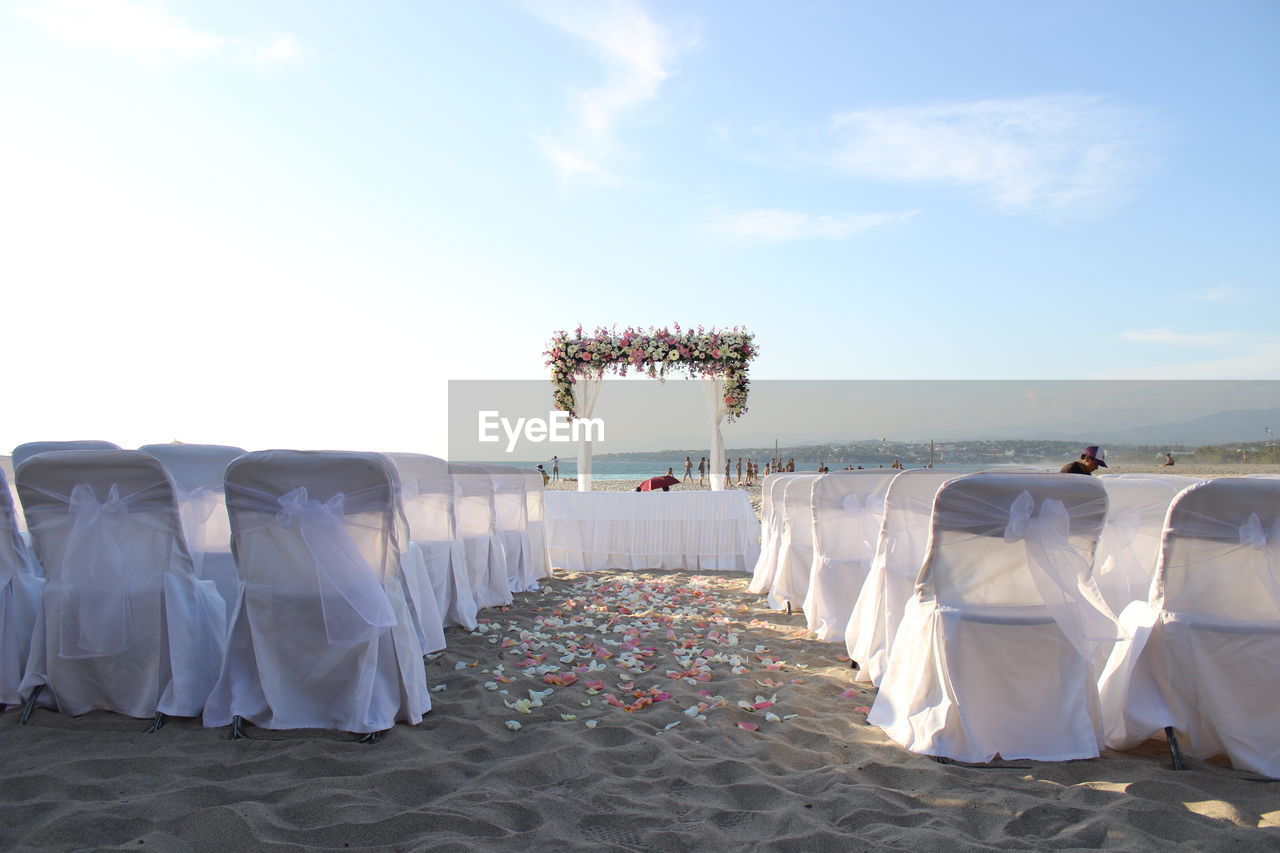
(695, 531)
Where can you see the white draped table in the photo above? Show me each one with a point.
(652, 530)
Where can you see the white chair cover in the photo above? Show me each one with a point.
(427, 493)
(770, 532)
(23, 452)
(848, 509)
(891, 580)
(126, 625)
(419, 588)
(996, 648)
(511, 521)
(322, 635)
(1179, 480)
(540, 552)
(1203, 653)
(21, 590)
(1125, 561)
(474, 512)
(795, 548)
(197, 470)
(6, 468)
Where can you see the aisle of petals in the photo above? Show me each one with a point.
(682, 649)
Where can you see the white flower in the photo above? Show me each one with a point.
(514, 726)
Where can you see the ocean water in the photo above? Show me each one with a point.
(603, 470)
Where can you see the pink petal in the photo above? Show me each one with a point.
(751, 727)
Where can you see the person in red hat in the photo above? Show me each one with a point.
(1091, 460)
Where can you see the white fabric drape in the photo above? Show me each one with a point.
(427, 495)
(795, 549)
(891, 578)
(848, 509)
(511, 523)
(652, 530)
(125, 624)
(1130, 542)
(20, 596)
(997, 648)
(486, 556)
(197, 470)
(770, 532)
(586, 391)
(1201, 654)
(322, 636)
(713, 389)
(540, 557)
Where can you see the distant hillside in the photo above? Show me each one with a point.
(1219, 428)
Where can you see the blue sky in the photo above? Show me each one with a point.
(289, 223)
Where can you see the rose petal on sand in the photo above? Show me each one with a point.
(513, 725)
(751, 727)
(849, 694)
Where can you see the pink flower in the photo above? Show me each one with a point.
(729, 401)
(715, 353)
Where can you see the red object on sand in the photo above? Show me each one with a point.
(654, 484)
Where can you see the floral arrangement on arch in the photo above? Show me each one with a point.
(696, 352)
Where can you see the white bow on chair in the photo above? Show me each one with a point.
(1267, 542)
(356, 607)
(1061, 573)
(96, 619)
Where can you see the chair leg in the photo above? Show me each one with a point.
(371, 738)
(1173, 748)
(237, 730)
(788, 608)
(30, 705)
(157, 723)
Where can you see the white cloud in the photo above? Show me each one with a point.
(639, 55)
(785, 225)
(1046, 152)
(284, 50)
(1166, 335)
(146, 31)
(1221, 293)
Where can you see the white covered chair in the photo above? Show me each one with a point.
(474, 512)
(770, 532)
(322, 635)
(6, 468)
(21, 589)
(1125, 561)
(126, 626)
(540, 549)
(23, 452)
(197, 470)
(900, 550)
(1000, 647)
(427, 493)
(1201, 657)
(848, 508)
(511, 522)
(795, 547)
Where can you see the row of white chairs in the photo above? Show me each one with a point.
(1045, 615)
(145, 567)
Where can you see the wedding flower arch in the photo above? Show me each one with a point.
(722, 356)
(705, 353)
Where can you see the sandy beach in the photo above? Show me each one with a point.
(655, 711)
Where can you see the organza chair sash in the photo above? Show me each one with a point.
(1062, 575)
(866, 513)
(1232, 534)
(98, 620)
(355, 606)
(195, 508)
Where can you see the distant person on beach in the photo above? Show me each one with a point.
(739, 470)
(555, 468)
(1168, 459)
(1089, 461)
(688, 469)
(545, 477)
(728, 478)
(702, 470)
